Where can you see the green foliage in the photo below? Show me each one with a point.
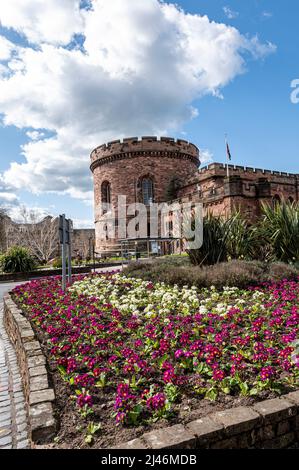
(274, 238)
(234, 273)
(279, 228)
(213, 249)
(57, 263)
(17, 259)
(91, 430)
(240, 238)
(224, 239)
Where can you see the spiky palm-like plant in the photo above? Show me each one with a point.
(17, 259)
(213, 249)
(279, 228)
(240, 237)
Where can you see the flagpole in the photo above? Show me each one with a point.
(227, 167)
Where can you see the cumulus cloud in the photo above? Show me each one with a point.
(50, 21)
(6, 48)
(135, 68)
(8, 197)
(35, 135)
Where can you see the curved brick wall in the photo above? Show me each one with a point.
(122, 164)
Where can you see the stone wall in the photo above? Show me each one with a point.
(269, 424)
(173, 164)
(83, 240)
(245, 189)
(124, 164)
(46, 235)
(39, 395)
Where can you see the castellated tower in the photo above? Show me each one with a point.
(144, 170)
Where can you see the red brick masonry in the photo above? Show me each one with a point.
(173, 166)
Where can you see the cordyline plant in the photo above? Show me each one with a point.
(149, 344)
(17, 259)
(223, 239)
(274, 238)
(279, 229)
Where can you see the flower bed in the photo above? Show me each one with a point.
(138, 353)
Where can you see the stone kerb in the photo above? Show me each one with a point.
(269, 424)
(39, 396)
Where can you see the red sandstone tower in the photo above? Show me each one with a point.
(146, 170)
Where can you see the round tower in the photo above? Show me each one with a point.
(145, 170)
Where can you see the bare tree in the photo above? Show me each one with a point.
(3, 240)
(39, 234)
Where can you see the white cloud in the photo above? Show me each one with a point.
(83, 223)
(229, 13)
(206, 156)
(6, 48)
(17, 212)
(259, 49)
(267, 14)
(35, 135)
(140, 67)
(50, 21)
(8, 197)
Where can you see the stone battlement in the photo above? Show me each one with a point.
(148, 144)
(237, 169)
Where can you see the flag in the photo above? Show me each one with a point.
(228, 152)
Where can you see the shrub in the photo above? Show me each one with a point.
(279, 270)
(274, 238)
(232, 238)
(18, 259)
(279, 228)
(237, 273)
(240, 238)
(213, 248)
(57, 263)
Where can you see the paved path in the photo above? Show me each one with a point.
(13, 418)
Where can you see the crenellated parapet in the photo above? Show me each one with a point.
(243, 170)
(146, 146)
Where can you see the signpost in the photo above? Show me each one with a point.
(65, 230)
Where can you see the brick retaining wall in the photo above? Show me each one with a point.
(32, 363)
(269, 424)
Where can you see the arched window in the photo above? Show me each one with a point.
(147, 188)
(105, 196)
(106, 192)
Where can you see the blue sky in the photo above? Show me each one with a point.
(256, 112)
(70, 103)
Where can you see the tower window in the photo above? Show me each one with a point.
(147, 191)
(105, 196)
(106, 192)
